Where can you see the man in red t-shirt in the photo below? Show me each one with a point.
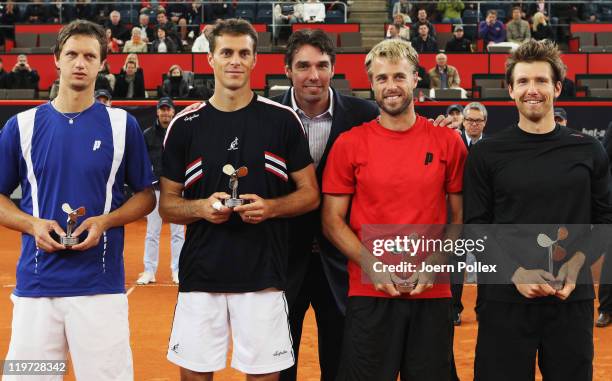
(391, 171)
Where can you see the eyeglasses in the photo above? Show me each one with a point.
(474, 121)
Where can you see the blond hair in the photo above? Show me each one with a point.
(538, 18)
(393, 50)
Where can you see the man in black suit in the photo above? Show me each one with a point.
(317, 273)
(474, 122)
(605, 284)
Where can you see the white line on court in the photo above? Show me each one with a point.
(130, 290)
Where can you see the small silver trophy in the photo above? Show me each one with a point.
(556, 253)
(403, 280)
(73, 214)
(234, 175)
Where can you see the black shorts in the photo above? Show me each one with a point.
(511, 335)
(384, 337)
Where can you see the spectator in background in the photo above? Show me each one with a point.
(196, 14)
(111, 43)
(22, 76)
(104, 96)
(568, 89)
(422, 20)
(423, 78)
(458, 43)
(540, 29)
(398, 29)
(105, 79)
(130, 82)
(456, 113)
(423, 42)
(451, 10)
(135, 44)
(284, 15)
(175, 86)
(154, 139)
(518, 29)
(3, 75)
(178, 14)
(177, 11)
(491, 30)
(170, 28)
(9, 15)
(560, 116)
(219, 9)
(443, 75)
(402, 7)
(101, 14)
(313, 11)
(392, 32)
(83, 9)
(147, 33)
(120, 31)
(163, 44)
(35, 13)
(201, 45)
(538, 6)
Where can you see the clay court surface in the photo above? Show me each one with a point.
(152, 307)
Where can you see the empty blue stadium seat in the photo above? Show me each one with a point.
(264, 16)
(334, 17)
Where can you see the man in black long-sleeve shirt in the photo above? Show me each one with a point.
(536, 172)
(605, 283)
(423, 42)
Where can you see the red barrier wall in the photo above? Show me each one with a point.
(600, 64)
(590, 27)
(37, 28)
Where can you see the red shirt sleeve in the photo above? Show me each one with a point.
(457, 155)
(339, 174)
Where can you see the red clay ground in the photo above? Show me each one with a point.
(152, 307)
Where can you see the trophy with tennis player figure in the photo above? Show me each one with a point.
(73, 215)
(556, 253)
(234, 175)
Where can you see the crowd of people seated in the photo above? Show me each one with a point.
(170, 27)
(498, 22)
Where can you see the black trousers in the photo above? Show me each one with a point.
(605, 283)
(315, 291)
(385, 337)
(512, 335)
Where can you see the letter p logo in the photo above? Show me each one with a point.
(97, 145)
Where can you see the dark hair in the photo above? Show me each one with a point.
(81, 28)
(313, 37)
(536, 51)
(517, 7)
(234, 27)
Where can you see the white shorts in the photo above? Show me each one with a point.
(259, 326)
(95, 329)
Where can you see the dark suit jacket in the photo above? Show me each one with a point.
(607, 143)
(464, 139)
(348, 112)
